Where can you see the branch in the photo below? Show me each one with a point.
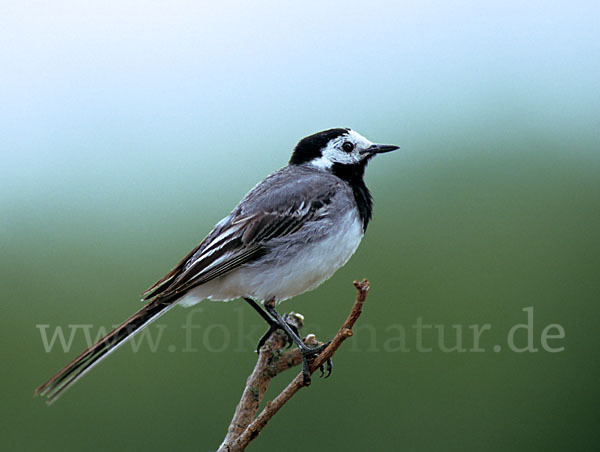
(272, 360)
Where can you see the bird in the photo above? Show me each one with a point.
(289, 234)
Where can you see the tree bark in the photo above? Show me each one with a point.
(274, 359)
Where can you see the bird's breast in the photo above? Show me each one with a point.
(302, 265)
(294, 264)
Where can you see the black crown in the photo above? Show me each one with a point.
(309, 148)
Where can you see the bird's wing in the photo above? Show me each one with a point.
(240, 238)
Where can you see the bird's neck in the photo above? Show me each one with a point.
(353, 175)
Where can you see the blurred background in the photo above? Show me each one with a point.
(129, 129)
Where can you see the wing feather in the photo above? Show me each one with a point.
(246, 245)
(245, 236)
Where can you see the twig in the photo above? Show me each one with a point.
(272, 361)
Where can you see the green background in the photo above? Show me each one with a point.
(128, 131)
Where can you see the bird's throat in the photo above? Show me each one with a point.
(353, 176)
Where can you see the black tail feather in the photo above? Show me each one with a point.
(73, 371)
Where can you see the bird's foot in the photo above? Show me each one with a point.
(308, 355)
(274, 326)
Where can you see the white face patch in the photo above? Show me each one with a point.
(322, 163)
(335, 151)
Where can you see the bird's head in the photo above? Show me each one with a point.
(336, 147)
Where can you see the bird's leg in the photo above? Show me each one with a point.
(273, 325)
(308, 353)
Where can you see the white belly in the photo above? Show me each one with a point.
(288, 271)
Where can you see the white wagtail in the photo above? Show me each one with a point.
(289, 234)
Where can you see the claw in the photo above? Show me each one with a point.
(266, 336)
(309, 354)
(293, 327)
(274, 327)
(329, 363)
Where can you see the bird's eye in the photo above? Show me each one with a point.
(348, 147)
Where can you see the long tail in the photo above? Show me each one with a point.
(73, 371)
